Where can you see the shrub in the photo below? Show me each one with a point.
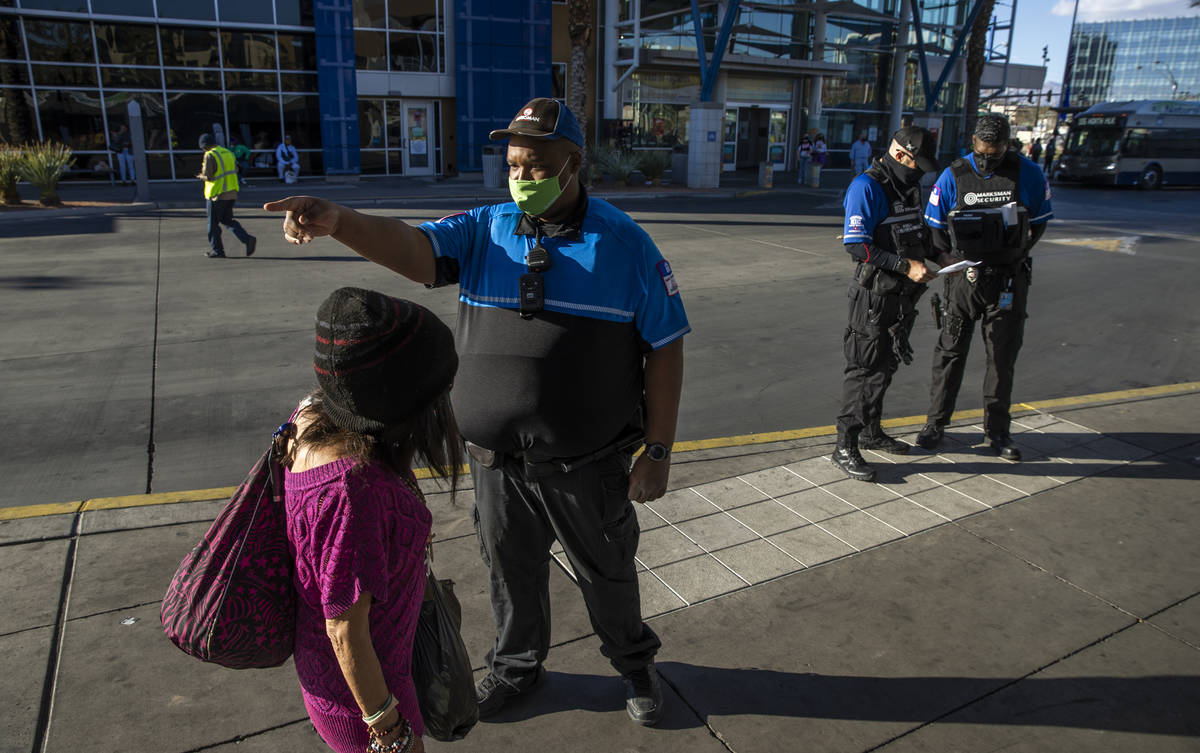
(654, 163)
(42, 165)
(620, 164)
(9, 161)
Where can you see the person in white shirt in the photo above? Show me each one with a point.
(860, 154)
(286, 157)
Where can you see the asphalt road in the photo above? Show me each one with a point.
(131, 363)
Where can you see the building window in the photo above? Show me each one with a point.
(399, 35)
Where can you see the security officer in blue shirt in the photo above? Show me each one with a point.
(570, 345)
(887, 239)
(990, 206)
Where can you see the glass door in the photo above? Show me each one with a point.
(418, 140)
(729, 147)
(777, 139)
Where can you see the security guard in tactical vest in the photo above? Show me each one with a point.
(220, 192)
(884, 234)
(990, 207)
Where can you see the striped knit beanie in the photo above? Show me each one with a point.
(380, 360)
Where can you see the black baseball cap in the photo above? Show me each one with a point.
(543, 118)
(920, 143)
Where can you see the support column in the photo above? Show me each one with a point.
(612, 99)
(818, 53)
(899, 69)
(337, 85)
(705, 121)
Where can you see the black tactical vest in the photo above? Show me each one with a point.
(977, 231)
(903, 231)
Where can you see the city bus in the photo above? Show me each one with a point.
(1147, 143)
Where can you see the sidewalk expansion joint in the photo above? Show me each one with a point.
(696, 712)
(1003, 687)
(242, 738)
(50, 683)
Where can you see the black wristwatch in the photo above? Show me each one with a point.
(657, 451)
(902, 266)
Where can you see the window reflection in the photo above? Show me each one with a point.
(370, 124)
(191, 9)
(245, 12)
(59, 41)
(302, 119)
(294, 12)
(194, 48)
(370, 53)
(245, 49)
(154, 121)
(194, 114)
(16, 117)
(251, 115)
(297, 52)
(246, 80)
(126, 44)
(413, 52)
(415, 15)
(64, 75)
(206, 80)
(73, 118)
(123, 7)
(132, 78)
(370, 13)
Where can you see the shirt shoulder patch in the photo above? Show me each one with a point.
(668, 277)
(856, 223)
(935, 196)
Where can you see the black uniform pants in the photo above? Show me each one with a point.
(518, 517)
(870, 359)
(1003, 333)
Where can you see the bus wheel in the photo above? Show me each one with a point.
(1151, 179)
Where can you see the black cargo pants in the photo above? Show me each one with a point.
(518, 515)
(1003, 333)
(871, 361)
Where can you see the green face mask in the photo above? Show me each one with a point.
(536, 196)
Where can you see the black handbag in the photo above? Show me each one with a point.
(441, 668)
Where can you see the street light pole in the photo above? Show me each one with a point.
(1174, 83)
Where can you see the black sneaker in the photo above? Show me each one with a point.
(492, 693)
(851, 461)
(1004, 447)
(882, 442)
(930, 437)
(215, 255)
(644, 696)
(250, 244)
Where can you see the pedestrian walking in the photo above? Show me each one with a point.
(357, 523)
(219, 174)
(122, 146)
(1035, 151)
(803, 159)
(888, 240)
(860, 154)
(1048, 165)
(991, 206)
(570, 338)
(819, 154)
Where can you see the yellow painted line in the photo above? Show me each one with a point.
(741, 440)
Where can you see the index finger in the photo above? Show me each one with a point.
(284, 205)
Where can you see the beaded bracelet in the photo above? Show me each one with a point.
(402, 744)
(388, 705)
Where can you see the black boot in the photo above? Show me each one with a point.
(1003, 445)
(874, 438)
(848, 458)
(930, 437)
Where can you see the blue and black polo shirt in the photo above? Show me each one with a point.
(567, 381)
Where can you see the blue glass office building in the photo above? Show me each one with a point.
(1117, 61)
(406, 87)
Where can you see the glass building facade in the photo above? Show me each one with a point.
(764, 83)
(1115, 61)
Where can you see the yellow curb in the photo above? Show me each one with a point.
(741, 440)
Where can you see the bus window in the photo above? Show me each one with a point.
(1135, 143)
(1093, 142)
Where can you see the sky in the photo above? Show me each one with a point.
(1048, 23)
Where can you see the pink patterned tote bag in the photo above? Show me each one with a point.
(232, 600)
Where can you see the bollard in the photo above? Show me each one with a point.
(766, 174)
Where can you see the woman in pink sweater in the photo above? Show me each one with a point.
(357, 521)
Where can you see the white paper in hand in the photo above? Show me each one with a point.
(958, 266)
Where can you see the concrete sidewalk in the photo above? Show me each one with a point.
(964, 603)
(371, 191)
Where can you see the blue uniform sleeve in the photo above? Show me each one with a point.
(865, 204)
(660, 318)
(453, 237)
(1034, 192)
(942, 198)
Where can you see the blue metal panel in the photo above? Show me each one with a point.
(710, 69)
(338, 86)
(502, 60)
(932, 92)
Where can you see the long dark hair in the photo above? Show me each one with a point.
(431, 437)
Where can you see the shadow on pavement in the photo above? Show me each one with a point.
(50, 282)
(1146, 704)
(57, 225)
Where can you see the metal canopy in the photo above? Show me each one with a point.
(710, 68)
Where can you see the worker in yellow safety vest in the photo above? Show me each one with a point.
(219, 174)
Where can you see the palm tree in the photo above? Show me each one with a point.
(976, 59)
(579, 28)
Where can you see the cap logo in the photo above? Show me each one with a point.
(527, 111)
(909, 146)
